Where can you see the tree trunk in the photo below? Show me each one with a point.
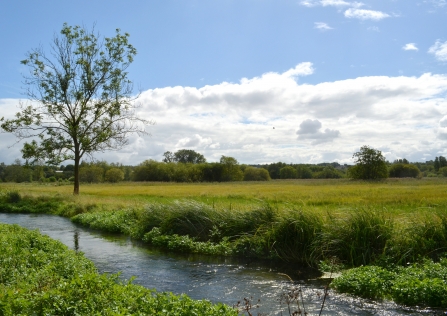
(76, 172)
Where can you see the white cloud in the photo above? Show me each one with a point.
(410, 46)
(363, 14)
(322, 26)
(439, 50)
(373, 28)
(399, 114)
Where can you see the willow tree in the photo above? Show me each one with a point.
(80, 99)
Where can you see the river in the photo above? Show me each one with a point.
(203, 277)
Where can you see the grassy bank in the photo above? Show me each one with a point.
(359, 223)
(387, 224)
(41, 276)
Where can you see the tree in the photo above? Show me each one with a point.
(91, 173)
(114, 175)
(188, 156)
(303, 172)
(80, 99)
(231, 170)
(436, 164)
(168, 157)
(256, 174)
(288, 172)
(370, 164)
(404, 170)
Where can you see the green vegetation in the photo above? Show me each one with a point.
(389, 224)
(369, 164)
(423, 283)
(81, 99)
(41, 276)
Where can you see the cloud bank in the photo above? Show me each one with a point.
(277, 117)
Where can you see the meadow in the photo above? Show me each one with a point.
(329, 224)
(394, 195)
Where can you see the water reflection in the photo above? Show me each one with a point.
(76, 240)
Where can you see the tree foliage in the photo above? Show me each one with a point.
(256, 174)
(231, 170)
(404, 170)
(370, 164)
(188, 156)
(80, 98)
(114, 175)
(288, 172)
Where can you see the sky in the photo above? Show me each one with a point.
(303, 81)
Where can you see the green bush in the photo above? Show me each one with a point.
(114, 175)
(423, 284)
(256, 174)
(401, 170)
(13, 197)
(369, 282)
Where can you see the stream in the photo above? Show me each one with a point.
(204, 277)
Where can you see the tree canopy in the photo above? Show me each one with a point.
(184, 156)
(370, 164)
(80, 98)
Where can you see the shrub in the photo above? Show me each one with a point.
(13, 197)
(256, 174)
(401, 170)
(328, 172)
(114, 175)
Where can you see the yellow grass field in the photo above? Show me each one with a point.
(394, 195)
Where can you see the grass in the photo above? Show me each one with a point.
(388, 224)
(306, 221)
(338, 194)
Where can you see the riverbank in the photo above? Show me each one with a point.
(42, 276)
(402, 221)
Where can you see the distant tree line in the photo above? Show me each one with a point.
(190, 166)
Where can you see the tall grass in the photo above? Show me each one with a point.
(301, 221)
(358, 239)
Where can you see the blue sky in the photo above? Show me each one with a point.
(217, 76)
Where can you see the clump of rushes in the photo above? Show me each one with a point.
(293, 238)
(422, 284)
(358, 239)
(41, 276)
(424, 236)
